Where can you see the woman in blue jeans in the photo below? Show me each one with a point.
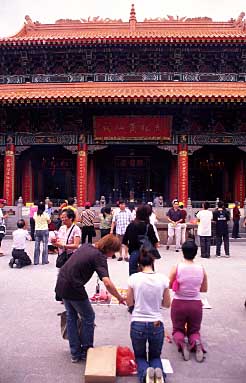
(41, 234)
(137, 228)
(147, 292)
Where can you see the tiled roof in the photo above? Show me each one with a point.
(97, 30)
(124, 92)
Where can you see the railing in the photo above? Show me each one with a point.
(123, 77)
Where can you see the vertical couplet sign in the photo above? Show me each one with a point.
(240, 182)
(9, 175)
(27, 182)
(82, 174)
(183, 173)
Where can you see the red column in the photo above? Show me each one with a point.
(27, 182)
(91, 179)
(173, 189)
(9, 175)
(240, 182)
(183, 173)
(82, 174)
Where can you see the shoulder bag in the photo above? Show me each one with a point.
(64, 256)
(145, 242)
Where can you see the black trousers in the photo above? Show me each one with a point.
(87, 231)
(22, 256)
(235, 230)
(205, 243)
(219, 239)
(32, 227)
(104, 232)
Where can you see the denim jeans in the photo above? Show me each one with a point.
(41, 235)
(133, 262)
(79, 343)
(153, 333)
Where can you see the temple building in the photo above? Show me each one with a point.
(94, 107)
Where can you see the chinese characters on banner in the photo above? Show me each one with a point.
(27, 182)
(9, 175)
(82, 174)
(183, 173)
(132, 127)
(240, 182)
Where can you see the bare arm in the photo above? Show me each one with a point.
(130, 297)
(172, 276)
(112, 227)
(112, 289)
(74, 245)
(166, 300)
(204, 285)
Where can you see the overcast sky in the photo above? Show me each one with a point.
(12, 12)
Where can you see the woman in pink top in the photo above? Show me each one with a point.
(186, 308)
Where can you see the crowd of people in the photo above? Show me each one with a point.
(132, 234)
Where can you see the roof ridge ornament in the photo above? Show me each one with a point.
(241, 22)
(133, 19)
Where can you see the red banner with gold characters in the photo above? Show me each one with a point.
(9, 175)
(240, 182)
(82, 174)
(27, 182)
(132, 127)
(183, 173)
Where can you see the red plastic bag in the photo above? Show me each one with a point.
(125, 362)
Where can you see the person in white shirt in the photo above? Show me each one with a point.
(19, 255)
(204, 230)
(2, 223)
(147, 292)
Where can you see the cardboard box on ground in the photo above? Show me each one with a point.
(101, 365)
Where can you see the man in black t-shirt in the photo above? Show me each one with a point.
(221, 216)
(72, 277)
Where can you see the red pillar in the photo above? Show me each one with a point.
(240, 182)
(9, 175)
(91, 179)
(183, 173)
(173, 189)
(27, 182)
(82, 174)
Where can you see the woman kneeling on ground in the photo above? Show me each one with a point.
(148, 291)
(186, 308)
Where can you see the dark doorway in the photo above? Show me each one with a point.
(53, 169)
(211, 173)
(132, 172)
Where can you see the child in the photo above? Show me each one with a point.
(52, 249)
(19, 255)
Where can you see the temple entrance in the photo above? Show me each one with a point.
(134, 173)
(53, 172)
(212, 173)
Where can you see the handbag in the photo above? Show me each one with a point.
(145, 242)
(175, 284)
(64, 256)
(63, 324)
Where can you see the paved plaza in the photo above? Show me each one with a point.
(32, 351)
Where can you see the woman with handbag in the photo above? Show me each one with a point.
(106, 218)
(69, 235)
(188, 279)
(87, 220)
(147, 292)
(137, 230)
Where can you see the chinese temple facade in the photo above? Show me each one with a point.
(94, 107)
